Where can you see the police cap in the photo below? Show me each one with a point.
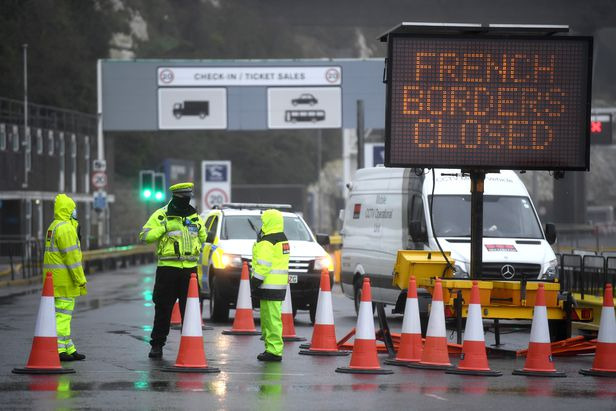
(182, 189)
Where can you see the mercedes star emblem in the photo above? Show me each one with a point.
(507, 271)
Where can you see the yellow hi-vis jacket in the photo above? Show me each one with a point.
(270, 257)
(63, 251)
(180, 239)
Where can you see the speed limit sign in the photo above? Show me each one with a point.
(99, 179)
(215, 197)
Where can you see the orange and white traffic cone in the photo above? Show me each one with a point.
(604, 364)
(473, 360)
(176, 317)
(539, 356)
(288, 328)
(191, 355)
(364, 359)
(44, 357)
(435, 355)
(324, 332)
(410, 338)
(243, 323)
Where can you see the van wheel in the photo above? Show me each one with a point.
(423, 323)
(558, 330)
(312, 310)
(357, 295)
(219, 307)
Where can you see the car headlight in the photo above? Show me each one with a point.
(323, 262)
(231, 261)
(551, 273)
(459, 271)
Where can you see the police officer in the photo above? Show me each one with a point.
(179, 233)
(270, 275)
(63, 258)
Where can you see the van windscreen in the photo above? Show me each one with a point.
(246, 227)
(503, 217)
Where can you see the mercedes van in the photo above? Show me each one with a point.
(388, 209)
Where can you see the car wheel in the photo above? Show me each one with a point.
(357, 295)
(219, 307)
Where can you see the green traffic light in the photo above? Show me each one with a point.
(147, 193)
(158, 196)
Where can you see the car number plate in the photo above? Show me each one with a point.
(292, 278)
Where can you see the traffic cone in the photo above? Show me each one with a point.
(243, 323)
(539, 356)
(44, 357)
(604, 364)
(176, 317)
(435, 355)
(288, 328)
(410, 338)
(364, 359)
(473, 360)
(324, 332)
(191, 356)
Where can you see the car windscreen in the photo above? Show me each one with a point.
(246, 227)
(503, 217)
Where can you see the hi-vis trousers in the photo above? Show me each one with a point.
(64, 314)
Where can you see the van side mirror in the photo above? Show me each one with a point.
(418, 232)
(323, 239)
(550, 233)
(211, 236)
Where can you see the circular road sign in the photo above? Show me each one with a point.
(216, 197)
(99, 179)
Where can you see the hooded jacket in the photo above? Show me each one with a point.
(270, 258)
(63, 251)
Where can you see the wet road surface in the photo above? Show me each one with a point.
(113, 323)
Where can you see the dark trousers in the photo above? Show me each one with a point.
(171, 284)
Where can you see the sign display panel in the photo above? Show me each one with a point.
(488, 102)
(215, 183)
(304, 107)
(192, 108)
(601, 129)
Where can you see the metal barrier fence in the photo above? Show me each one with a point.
(587, 274)
(23, 259)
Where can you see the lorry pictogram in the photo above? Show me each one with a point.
(191, 108)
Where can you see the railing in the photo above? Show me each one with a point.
(586, 273)
(23, 259)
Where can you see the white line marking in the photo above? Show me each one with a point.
(436, 396)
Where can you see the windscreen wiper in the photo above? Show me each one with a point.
(252, 226)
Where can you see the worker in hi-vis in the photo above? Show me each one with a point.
(269, 279)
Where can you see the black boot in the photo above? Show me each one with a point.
(156, 352)
(78, 357)
(267, 356)
(64, 356)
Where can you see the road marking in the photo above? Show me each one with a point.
(262, 373)
(436, 396)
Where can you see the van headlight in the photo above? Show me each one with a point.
(231, 261)
(323, 262)
(551, 273)
(459, 271)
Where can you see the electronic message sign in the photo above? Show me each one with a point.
(488, 102)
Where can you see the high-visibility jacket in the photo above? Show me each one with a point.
(270, 257)
(180, 239)
(63, 251)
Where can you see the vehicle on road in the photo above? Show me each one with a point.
(233, 229)
(191, 108)
(305, 98)
(388, 209)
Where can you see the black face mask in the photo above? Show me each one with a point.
(180, 206)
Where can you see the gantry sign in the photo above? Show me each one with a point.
(154, 95)
(478, 98)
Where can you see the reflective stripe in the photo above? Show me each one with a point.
(279, 272)
(69, 345)
(62, 311)
(53, 233)
(64, 299)
(265, 263)
(64, 337)
(74, 265)
(273, 287)
(54, 266)
(174, 232)
(71, 248)
(183, 258)
(258, 276)
(144, 233)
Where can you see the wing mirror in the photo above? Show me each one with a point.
(550, 233)
(323, 239)
(418, 231)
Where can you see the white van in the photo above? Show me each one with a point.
(388, 209)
